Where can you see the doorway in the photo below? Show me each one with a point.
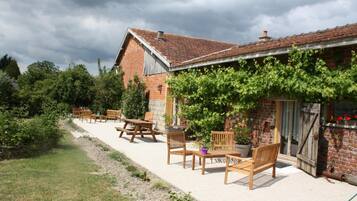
(289, 129)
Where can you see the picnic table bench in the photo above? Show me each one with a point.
(141, 127)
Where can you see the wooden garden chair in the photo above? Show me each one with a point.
(222, 140)
(76, 112)
(176, 145)
(113, 114)
(86, 115)
(264, 157)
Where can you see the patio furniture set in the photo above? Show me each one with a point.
(263, 157)
(88, 115)
(222, 145)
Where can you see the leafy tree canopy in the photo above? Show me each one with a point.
(109, 88)
(9, 65)
(75, 86)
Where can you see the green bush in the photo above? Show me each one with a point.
(28, 136)
(109, 88)
(180, 196)
(135, 103)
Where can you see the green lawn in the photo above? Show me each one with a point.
(65, 173)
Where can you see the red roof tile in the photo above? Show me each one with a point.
(337, 33)
(177, 49)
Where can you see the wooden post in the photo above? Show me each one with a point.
(277, 121)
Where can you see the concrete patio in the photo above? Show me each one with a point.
(291, 184)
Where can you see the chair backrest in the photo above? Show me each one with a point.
(86, 113)
(176, 139)
(113, 113)
(149, 116)
(76, 111)
(222, 140)
(265, 154)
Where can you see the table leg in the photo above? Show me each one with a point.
(193, 161)
(121, 133)
(153, 134)
(203, 165)
(135, 132)
(141, 132)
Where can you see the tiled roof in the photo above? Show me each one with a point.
(177, 49)
(334, 34)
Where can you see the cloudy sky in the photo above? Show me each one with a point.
(80, 31)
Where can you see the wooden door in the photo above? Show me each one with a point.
(309, 136)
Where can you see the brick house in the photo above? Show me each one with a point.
(314, 146)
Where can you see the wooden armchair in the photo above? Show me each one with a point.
(222, 140)
(86, 115)
(176, 145)
(113, 114)
(76, 112)
(264, 157)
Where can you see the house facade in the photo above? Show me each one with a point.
(306, 136)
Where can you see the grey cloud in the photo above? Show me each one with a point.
(83, 30)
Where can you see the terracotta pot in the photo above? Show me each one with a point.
(243, 149)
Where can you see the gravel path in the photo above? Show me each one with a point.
(134, 187)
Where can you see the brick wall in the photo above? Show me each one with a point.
(338, 150)
(157, 89)
(132, 61)
(262, 124)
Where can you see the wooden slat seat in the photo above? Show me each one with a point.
(176, 145)
(264, 157)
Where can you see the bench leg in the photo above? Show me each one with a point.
(273, 174)
(121, 133)
(153, 134)
(184, 160)
(193, 161)
(226, 173)
(135, 132)
(168, 157)
(250, 181)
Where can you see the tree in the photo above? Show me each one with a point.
(109, 88)
(9, 65)
(37, 86)
(135, 103)
(8, 90)
(75, 86)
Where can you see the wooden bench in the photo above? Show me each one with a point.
(264, 157)
(141, 128)
(113, 114)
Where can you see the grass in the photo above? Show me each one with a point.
(135, 172)
(65, 173)
(160, 185)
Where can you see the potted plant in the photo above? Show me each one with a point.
(204, 144)
(242, 140)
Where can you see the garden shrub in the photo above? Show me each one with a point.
(27, 136)
(109, 88)
(135, 102)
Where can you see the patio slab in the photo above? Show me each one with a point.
(291, 184)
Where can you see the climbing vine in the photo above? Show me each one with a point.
(212, 94)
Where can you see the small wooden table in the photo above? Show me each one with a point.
(138, 127)
(210, 154)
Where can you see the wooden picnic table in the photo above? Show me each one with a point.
(141, 127)
(210, 154)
